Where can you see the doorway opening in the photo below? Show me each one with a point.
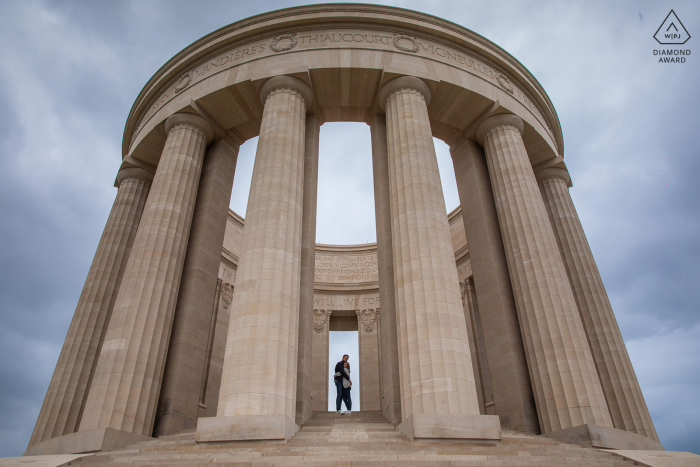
(340, 343)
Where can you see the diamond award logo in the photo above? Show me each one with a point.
(672, 31)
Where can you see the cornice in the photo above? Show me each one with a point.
(336, 14)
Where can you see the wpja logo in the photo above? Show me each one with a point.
(672, 32)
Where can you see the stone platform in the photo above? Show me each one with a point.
(360, 438)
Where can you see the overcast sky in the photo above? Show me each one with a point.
(70, 71)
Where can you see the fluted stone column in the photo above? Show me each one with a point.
(510, 380)
(124, 393)
(180, 395)
(622, 392)
(368, 346)
(65, 399)
(389, 351)
(439, 398)
(482, 376)
(258, 386)
(563, 376)
(304, 405)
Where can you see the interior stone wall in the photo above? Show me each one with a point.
(346, 298)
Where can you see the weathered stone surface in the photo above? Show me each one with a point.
(182, 388)
(622, 392)
(319, 363)
(65, 398)
(100, 439)
(446, 426)
(508, 378)
(436, 373)
(304, 401)
(127, 379)
(245, 427)
(563, 376)
(260, 365)
(604, 437)
(368, 346)
(355, 61)
(389, 351)
(659, 459)
(41, 461)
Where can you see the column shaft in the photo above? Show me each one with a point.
(210, 397)
(479, 362)
(390, 382)
(566, 387)
(438, 389)
(65, 399)
(259, 377)
(308, 262)
(507, 365)
(621, 388)
(369, 359)
(124, 393)
(319, 364)
(184, 369)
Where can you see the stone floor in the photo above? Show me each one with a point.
(360, 438)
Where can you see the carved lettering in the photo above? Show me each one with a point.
(345, 268)
(396, 42)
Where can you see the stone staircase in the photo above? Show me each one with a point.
(360, 438)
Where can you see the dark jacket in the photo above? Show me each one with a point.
(339, 369)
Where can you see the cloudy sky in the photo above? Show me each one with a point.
(70, 71)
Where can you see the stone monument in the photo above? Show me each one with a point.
(487, 323)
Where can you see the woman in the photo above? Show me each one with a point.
(347, 385)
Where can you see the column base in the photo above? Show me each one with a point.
(434, 426)
(172, 423)
(101, 439)
(606, 438)
(245, 428)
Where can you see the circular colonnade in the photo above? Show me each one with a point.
(529, 343)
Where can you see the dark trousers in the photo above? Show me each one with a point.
(343, 395)
(347, 399)
(339, 395)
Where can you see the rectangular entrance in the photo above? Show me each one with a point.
(340, 343)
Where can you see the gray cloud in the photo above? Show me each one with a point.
(70, 72)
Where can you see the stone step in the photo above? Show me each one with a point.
(367, 427)
(360, 438)
(378, 460)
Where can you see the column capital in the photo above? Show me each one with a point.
(288, 82)
(134, 172)
(498, 120)
(410, 82)
(552, 172)
(191, 119)
(544, 170)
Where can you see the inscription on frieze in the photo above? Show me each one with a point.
(346, 268)
(339, 38)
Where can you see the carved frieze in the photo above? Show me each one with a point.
(320, 319)
(401, 42)
(364, 38)
(226, 294)
(342, 269)
(367, 318)
(505, 82)
(184, 80)
(284, 42)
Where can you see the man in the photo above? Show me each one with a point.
(338, 379)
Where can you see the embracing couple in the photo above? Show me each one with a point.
(343, 384)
